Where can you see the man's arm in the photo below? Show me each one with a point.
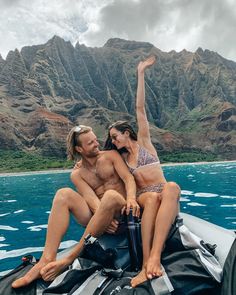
(85, 190)
(128, 179)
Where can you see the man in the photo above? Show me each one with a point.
(106, 188)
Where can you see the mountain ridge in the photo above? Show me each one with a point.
(46, 89)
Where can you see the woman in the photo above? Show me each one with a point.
(158, 198)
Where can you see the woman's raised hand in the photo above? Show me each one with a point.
(143, 65)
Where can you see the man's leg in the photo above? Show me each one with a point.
(166, 215)
(110, 207)
(65, 201)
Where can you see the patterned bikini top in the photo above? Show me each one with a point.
(144, 159)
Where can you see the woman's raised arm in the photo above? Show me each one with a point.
(143, 124)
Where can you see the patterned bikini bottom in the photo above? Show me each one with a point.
(157, 188)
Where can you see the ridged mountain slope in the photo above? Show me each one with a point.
(46, 89)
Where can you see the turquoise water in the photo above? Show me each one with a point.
(208, 191)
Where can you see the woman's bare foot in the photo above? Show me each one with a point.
(31, 275)
(139, 279)
(53, 269)
(153, 268)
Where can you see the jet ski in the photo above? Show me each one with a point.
(199, 258)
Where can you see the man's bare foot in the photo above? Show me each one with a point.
(30, 276)
(153, 268)
(53, 269)
(139, 279)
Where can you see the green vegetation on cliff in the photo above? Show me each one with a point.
(188, 157)
(20, 161)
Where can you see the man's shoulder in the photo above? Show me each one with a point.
(76, 171)
(109, 154)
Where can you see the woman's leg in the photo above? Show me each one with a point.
(150, 203)
(65, 201)
(166, 215)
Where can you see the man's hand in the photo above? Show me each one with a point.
(77, 165)
(112, 228)
(132, 204)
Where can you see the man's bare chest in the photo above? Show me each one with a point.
(99, 174)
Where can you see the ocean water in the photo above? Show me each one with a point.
(207, 191)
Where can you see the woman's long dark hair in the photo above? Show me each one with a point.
(121, 126)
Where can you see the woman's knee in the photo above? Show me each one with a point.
(173, 190)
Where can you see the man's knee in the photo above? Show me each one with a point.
(112, 199)
(64, 196)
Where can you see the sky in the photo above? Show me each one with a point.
(167, 24)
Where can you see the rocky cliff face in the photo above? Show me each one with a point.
(47, 89)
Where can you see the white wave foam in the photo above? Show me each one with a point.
(230, 217)
(231, 205)
(48, 212)
(190, 175)
(183, 199)
(4, 214)
(184, 192)
(19, 211)
(229, 167)
(205, 195)
(67, 244)
(20, 252)
(228, 197)
(27, 221)
(37, 227)
(2, 239)
(4, 245)
(8, 201)
(7, 227)
(194, 204)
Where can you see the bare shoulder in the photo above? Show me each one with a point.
(112, 155)
(75, 172)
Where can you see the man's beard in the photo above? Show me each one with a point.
(92, 154)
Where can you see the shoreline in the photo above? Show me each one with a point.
(198, 163)
(50, 171)
(56, 171)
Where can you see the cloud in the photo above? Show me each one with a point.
(35, 22)
(168, 24)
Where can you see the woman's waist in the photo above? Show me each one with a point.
(157, 188)
(149, 184)
(142, 182)
(142, 174)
